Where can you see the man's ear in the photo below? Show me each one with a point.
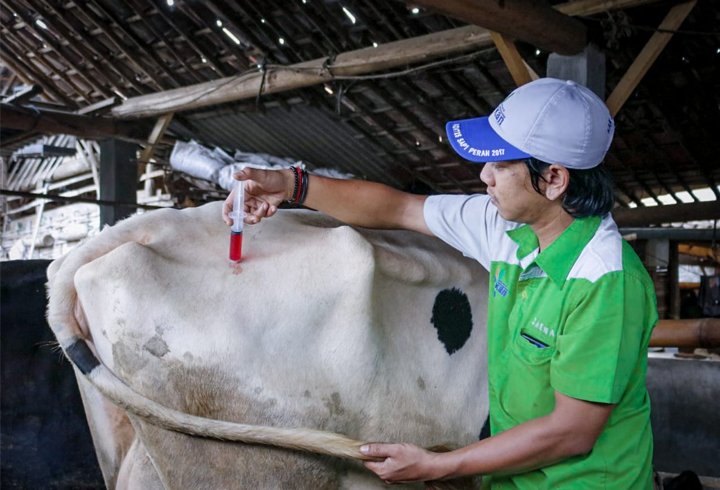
(557, 179)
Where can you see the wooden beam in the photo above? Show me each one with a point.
(701, 252)
(278, 79)
(670, 213)
(19, 65)
(647, 56)
(22, 119)
(155, 135)
(592, 7)
(99, 107)
(359, 62)
(24, 95)
(519, 70)
(534, 22)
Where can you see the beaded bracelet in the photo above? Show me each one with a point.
(300, 186)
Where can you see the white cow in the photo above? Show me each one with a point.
(376, 335)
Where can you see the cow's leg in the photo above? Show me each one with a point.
(137, 470)
(110, 428)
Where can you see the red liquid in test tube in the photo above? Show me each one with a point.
(237, 215)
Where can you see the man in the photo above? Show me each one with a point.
(570, 307)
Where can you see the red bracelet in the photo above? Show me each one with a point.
(298, 190)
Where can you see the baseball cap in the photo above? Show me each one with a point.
(556, 121)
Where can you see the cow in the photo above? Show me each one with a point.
(197, 372)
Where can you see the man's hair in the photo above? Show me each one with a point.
(589, 193)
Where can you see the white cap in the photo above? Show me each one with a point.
(556, 121)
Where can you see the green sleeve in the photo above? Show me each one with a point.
(601, 341)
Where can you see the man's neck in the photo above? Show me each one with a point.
(551, 226)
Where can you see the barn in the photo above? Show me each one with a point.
(125, 121)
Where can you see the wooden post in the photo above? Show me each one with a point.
(118, 179)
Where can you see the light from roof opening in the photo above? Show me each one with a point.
(231, 35)
(415, 10)
(41, 23)
(204, 60)
(328, 89)
(349, 14)
(219, 23)
(281, 41)
(537, 52)
(170, 3)
(262, 20)
(375, 45)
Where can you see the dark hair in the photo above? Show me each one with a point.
(589, 193)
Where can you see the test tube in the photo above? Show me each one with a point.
(237, 215)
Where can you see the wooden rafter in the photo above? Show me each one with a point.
(358, 62)
(303, 74)
(19, 118)
(92, 81)
(155, 135)
(534, 22)
(24, 95)
(648, 55)
(519, 70)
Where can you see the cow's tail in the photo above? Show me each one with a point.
(117, 391)
(310, 440)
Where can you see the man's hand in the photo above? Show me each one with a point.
(264, 191)
(401, 463)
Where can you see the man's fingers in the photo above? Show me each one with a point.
(251, 174)
(376, 451)
(226, 209)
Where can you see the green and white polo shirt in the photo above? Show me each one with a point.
(575, 318)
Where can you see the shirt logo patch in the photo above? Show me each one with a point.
(541, 327)
(532, 273)
(500, 287)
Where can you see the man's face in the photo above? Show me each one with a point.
(509, 187)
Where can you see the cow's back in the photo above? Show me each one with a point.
(376, 335)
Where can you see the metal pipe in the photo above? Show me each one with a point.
(55, 197)
(699, 332)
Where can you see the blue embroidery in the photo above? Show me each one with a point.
(500, 287)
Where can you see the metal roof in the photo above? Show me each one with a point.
(384, 129)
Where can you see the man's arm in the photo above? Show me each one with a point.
(355, 202)
(571, 429)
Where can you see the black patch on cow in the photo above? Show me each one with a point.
(485, 431)
(452, 318)
(81, 355)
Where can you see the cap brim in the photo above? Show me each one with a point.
(474, 140)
